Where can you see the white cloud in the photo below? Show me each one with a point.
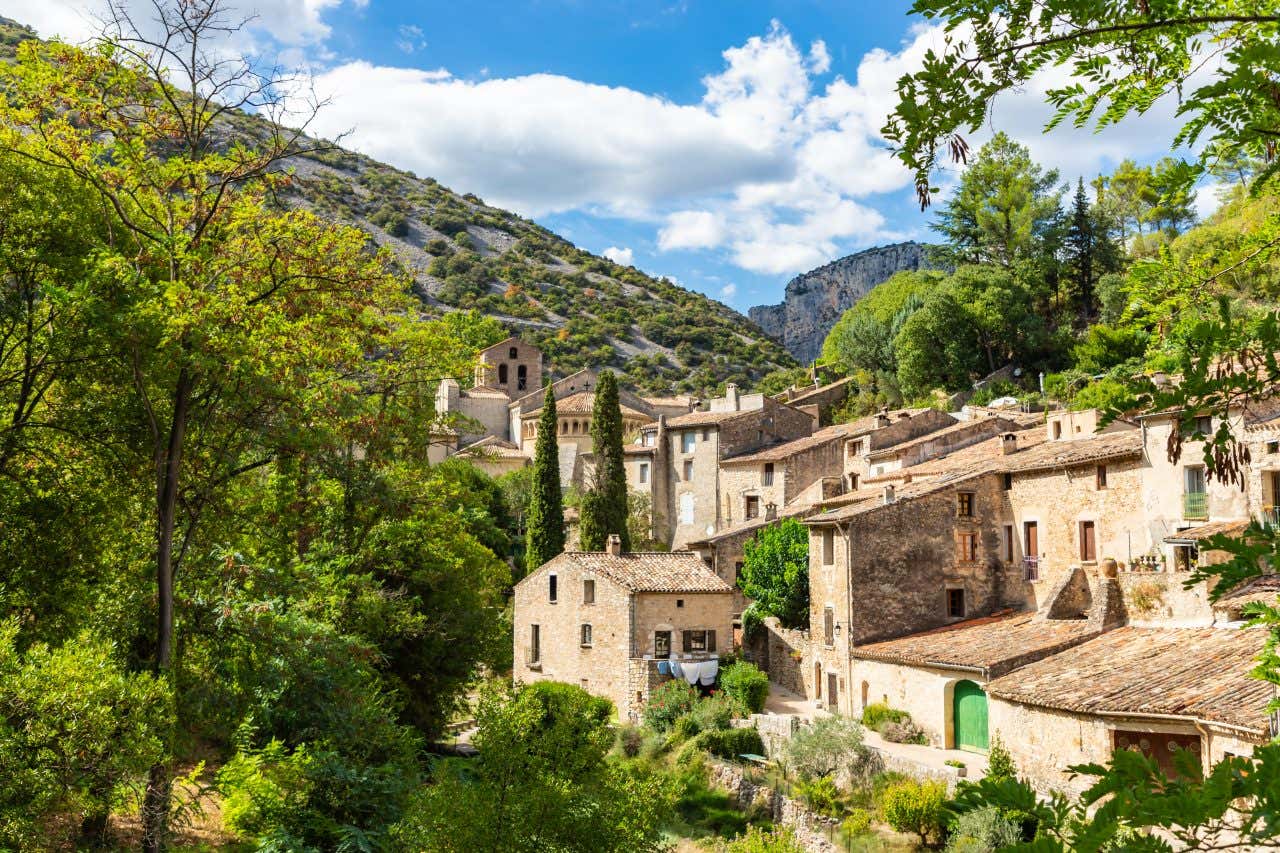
(411, 38)
(691, 229)
(729, 291)
(623, 257)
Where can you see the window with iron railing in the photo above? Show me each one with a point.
(1031, 565)
(1195, 498)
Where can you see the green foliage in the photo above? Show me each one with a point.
(820, 794)
(983, 830)
(832, 745)
(760, 840)
(668, 703)
(541, 782)
(730, 743)
(746, 684)
(604, 506)
(76, 730)
(701, 809)
(545, 518)
(775, 572)
(878, 713)
(916, 806)
(1000, 763)
(857, 823)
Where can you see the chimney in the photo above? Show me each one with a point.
(614, 546)
(904, 416)
(731, 394)
(888, 494)
(770, 511)
(882, 419)
(1009, 444)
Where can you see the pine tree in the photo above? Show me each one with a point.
(604, 507)
(545, 520)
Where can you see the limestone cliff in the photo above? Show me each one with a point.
(816, 299)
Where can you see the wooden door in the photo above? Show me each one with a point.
(1031, 540)
(970, 717)
(832, 697)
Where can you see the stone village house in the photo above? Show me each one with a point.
(604, 620)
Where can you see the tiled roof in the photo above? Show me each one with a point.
(871, 423)
(581, 403)
(1053, 455)
(694, 419)
(959, 427)
(803, 394)
(1212, 528)
(778, 452)
(484, 391)
(993, 644)
(990, 451)
(645, 571)
(646, 449)
(1198, 673)
(789, 511)
(1265, 589)
(678, 400)
(903, 493)
(493, 446)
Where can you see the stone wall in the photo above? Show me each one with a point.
(1158, 599)
(781, 652)
(815, 833)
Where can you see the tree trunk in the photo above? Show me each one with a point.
(155, 809)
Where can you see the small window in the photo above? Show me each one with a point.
(502, 374)
(1008, 482)
(1088, 549)
(513, 353)
(964, 504)
(1102, 477)
(522, 377)
(853, 482)
(535, 644)
(1204, 426)
(737, 572)
(688, 470)
(829, 626)
(828, 546)
(644, 472)
(955, 603)
(753, 507)
(687, 440)
(767, 476)
(551, 588)
(699, 641)
(1008, 543)
(855, 449)
(679, 602)
(1057, 429)
(586, 634)
(706, 433)
(1273, 446)
(588, 592)
(968, 547)
(648, 439)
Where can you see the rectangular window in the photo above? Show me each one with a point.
(853, 482)
(855, 449)
(955, 603)
(647, 440)
(551, 588)
(1102, 477)
(1057, 430)
(706, 433)
(964, 504)
(753, 507)
(644, 472)
(737, 572)
(699, 641)
(586, 634)
(1273, 446)
(968, 547)
(535, 644)
(588, 592)
(767, 476)
(688, 470)
(1008, 482)
(1204, 426)
(1088, 550)
(687, 439)
(1008, 543)
(828, 546)
(829, 626)
(1195, 500)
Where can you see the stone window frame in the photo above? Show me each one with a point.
(588, 590)
(766, 474)
(534, 656)
(750, 507)
(687, 636)
(1100, 477)
(706, 433)
(1087, 555)
(688, 441)
(687, 471)
(828, 546)
(586, 635)
(966, 503)
(643, 473)
(829, 626)
(553, 588)
(968, 544)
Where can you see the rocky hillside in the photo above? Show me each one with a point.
(816, 299)
(581, 309)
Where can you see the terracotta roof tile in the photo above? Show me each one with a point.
(1212, 528)
(973, 425)
(993, 644)
(1053, 455)
(581, 403)
(778, 452)
(651, 571)
(1265, 589)
(789, 511)
(1197, 673)
(493, 446)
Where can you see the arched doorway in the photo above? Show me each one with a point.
(969, 706)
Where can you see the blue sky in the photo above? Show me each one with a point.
(728, 145)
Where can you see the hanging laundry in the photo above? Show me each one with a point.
(675, 669)
(707, 672)
(664, 667)
(692, 671)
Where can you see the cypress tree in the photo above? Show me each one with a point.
(604, 507)
(1080, 249)
(545, 532)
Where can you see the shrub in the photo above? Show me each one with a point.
(669, 703)
(759, 840)
(878, 713)
(717, 711)
(830, 746)
(903, 732)
(857, 823)
(730, 743)
(747, 684)
(981, 830)
(628, 740)
(916, 806)
(999, 762)
(821, 795)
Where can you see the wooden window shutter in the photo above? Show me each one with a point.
(711, 641)
(688, 640)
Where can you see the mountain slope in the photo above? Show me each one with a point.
(581, 309)
(815, 300)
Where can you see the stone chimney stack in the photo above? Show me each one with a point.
(888, 494)
(614, 546)
(731, 394)
(882, 419)
(770, 511)
(1009, 444)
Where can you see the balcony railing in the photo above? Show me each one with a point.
(1270, 515)
(1031, 568)
(1195, 505)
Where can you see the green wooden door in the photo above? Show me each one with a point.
(970, 707)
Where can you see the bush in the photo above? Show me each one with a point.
(821, 795)
(730, 743)
(747, 684)
(999, 762)
(878, 713)
(915, 806)
(857, 823)
(759, 840)
(629, 740)
(903, 732)
(830, 746)
(981, 830)
(669, 703)
(717, 711)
